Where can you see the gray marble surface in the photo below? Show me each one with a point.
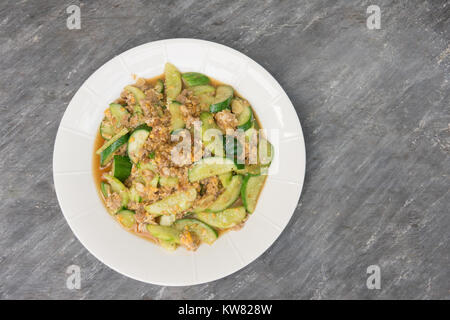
(375, 110)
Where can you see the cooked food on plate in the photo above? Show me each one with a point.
(180, 159)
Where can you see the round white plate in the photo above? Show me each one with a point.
(141, 259)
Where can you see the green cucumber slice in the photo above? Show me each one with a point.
(136, 142)
(107, 150)
(152, 167)
(108, 153)
(225, 178)
(176, 119)
(222, 101)
(213, 142)
(155, 181)
(126, 218)
(164, 233)
(245, 119)
(209, 167)
(251, 188)
(121, 168)
(159, 86)
(173, 81)
(121, 133)
(224, 219)
(119, 113)
(134, 195)
(168, 181)
(251, 134)
(250, 169)
(265, 149)
(106, 129)
(203, 231)
(228, 196)
(208, 123)
(167, 220)
(200, 90)
(105, 188)
(147, 166)
(138, 96)
(238, 105)
(173, 204)
(192, 79)
(205, 101)
(117, 186)
(233, 148)
(205, 95)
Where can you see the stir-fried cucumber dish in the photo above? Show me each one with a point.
(180, 159)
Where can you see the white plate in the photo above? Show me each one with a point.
(136, 257)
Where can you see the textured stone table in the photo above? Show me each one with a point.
(375, 110)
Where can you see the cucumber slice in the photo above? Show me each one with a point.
(205, 95)
(225, 178)
(108, 153)
(213, 142)
(167, 220)
(203, 231)
(105, 188)
(159, 86)
(168, 181)
(126, 218)
(164, 233)
(119, 113)
(155, 181)
(173, 204)
(117, 186)
(205, 101)
(250, 169)
(107, 150)
(121, 133)
(192, 79)
(251, 188)
(245, 119)
(138, 96)
(147, 166)
(238, 105)
(121, 168)
(106, 129)
(200, 90)
(235, 151)
(176, 120)
(173, 81)
(233, 148)
(209, 167)
(265, 152)
(136, 142)
(208, 123)
(152, 167)
(228, 196)
(224, 219)
(134, 195)
(251, 134)
(222, 101)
